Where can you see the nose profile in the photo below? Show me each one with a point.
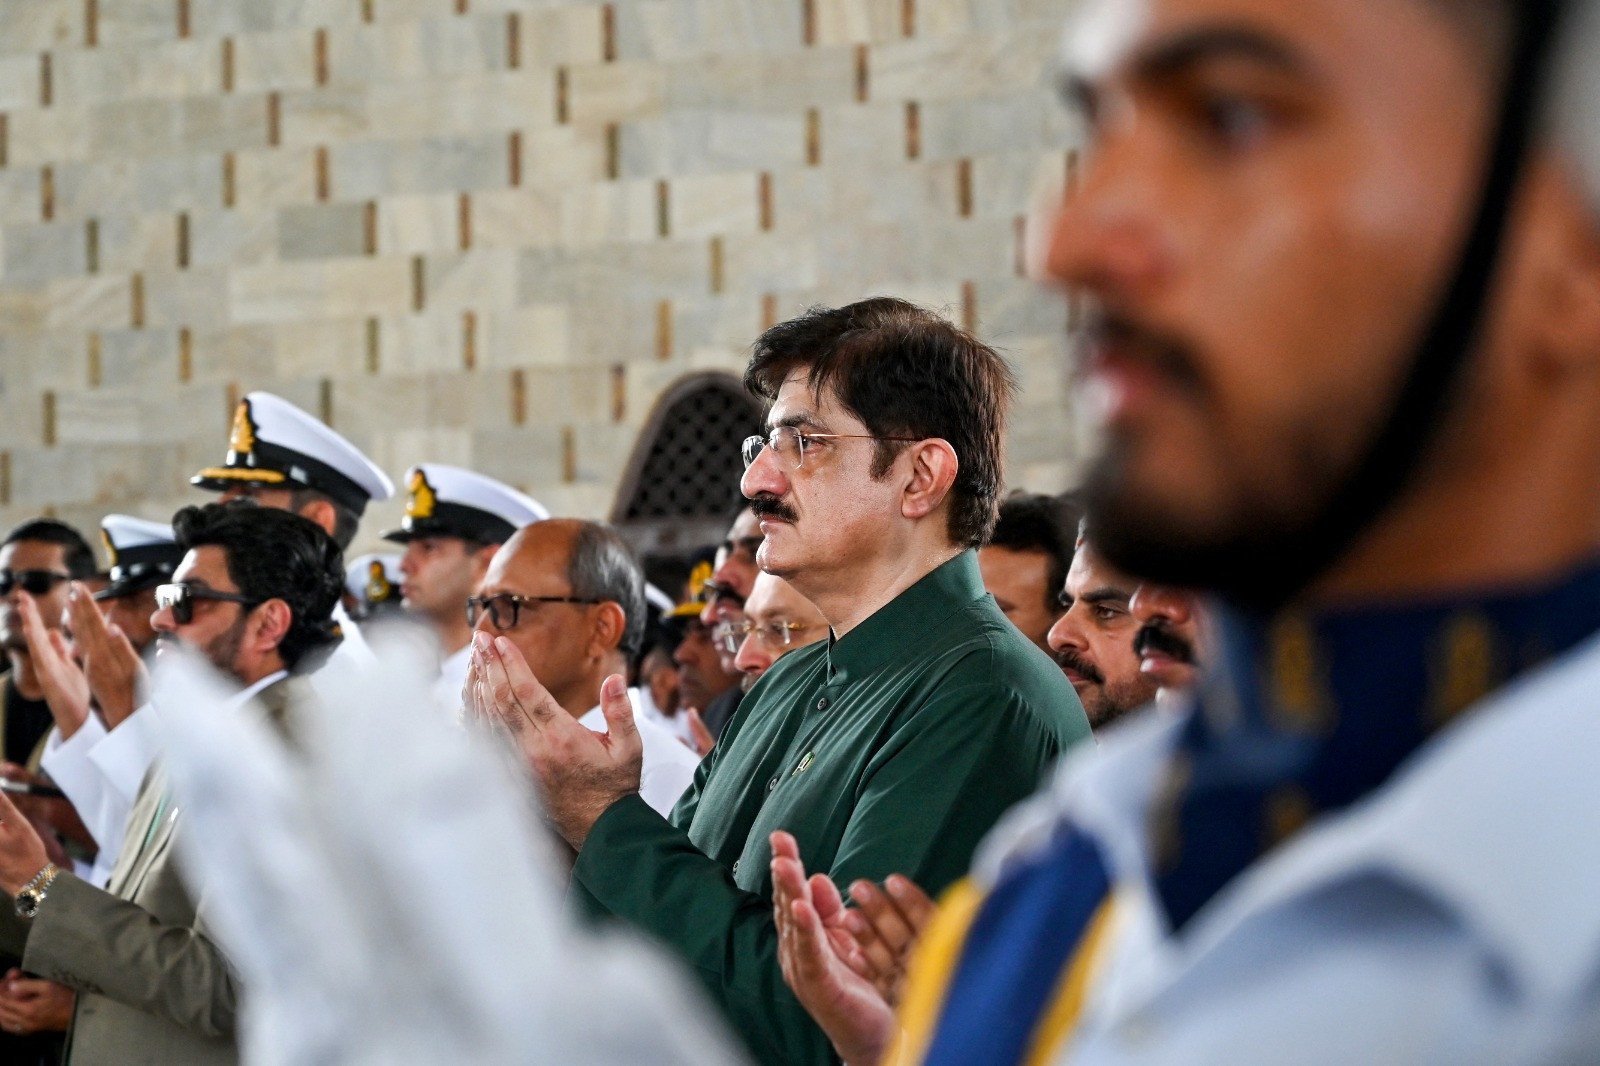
(1152, 602)
(763, 475)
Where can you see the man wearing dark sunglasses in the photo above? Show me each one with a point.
(37, 560)
(254, 595)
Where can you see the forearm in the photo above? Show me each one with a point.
(91, 940)
(638, 867)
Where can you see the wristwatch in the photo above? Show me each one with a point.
(32, 893)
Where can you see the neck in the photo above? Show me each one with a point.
(23, 676)
(255, 671)
(453, 632)
(847, 598)
(1501, 516)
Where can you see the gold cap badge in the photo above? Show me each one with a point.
(422, 501)
(242, 441)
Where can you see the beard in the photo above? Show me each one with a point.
(1259, 548)
(223, 649)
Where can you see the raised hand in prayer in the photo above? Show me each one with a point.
(22, 850)
(583, 772)
(887, 922)
(117, 676)
(66, 686)
(822, 961)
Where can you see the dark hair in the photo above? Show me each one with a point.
(1030, 522)
(345, 521)
(603, 567)
(904, 372)
(274, 555)
(78, 557)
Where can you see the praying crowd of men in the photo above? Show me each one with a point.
(1273, 741)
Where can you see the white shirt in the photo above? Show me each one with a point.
(452, 676)
(676, 724)
(101, 772)
(668, 765)
(354, 645)
(1451, 917)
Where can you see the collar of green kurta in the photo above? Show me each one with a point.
(901, 627)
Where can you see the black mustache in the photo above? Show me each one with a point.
(1169, 355)
(766, 505)
(1155, 636)
(1078, 664)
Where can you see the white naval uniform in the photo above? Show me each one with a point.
(668, 765)
(354, 648)
(1451, 917)
(452, 677)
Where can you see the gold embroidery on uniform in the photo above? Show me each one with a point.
(111, 550)
(1297, 697)
(1464, 670)
(423, 500)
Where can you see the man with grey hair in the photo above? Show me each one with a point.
(570, 595)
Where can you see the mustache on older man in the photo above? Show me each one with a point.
(767, 505)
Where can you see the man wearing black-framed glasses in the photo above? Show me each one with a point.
(569, 596)
(897, 743)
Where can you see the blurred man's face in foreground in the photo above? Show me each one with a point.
(1272, 201)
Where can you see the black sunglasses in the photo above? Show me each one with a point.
(180, 598)
(505, 609)
(33, 582)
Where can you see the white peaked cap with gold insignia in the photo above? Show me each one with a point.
(447, 501)
(375, 578)
(276, 445)
(142, 554)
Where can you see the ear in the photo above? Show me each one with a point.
(322, 513)
(933, 471)
(610, 622)
(1567, 315)
(270, 625)
(480, 562)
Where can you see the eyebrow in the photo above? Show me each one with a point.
(799, 420)
(1108, 594)
(1180, 52)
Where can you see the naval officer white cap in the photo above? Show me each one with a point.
(449, 501)
(142, 554)
(277, 445)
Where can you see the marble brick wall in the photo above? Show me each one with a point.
(489, 232)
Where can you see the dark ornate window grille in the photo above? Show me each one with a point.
(681, 488)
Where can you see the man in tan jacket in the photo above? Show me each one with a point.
(254, 594)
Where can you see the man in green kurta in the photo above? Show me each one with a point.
(892, 746)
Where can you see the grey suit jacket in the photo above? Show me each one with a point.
(152, 985)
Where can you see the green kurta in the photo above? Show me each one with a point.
(892, 750)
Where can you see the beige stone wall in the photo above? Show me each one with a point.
(488, 232)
